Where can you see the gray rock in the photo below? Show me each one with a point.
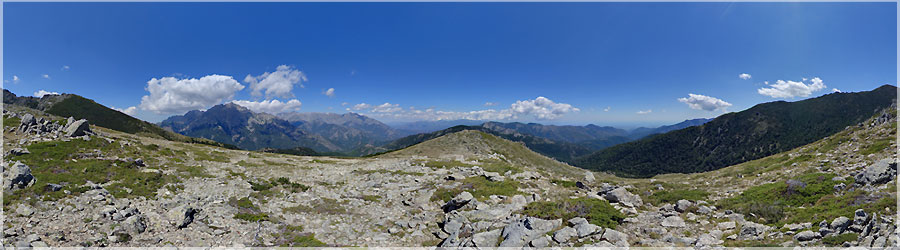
(840, 224)
(838, 187)
(182, 216)
(453, 225)
(493, 176)
(682, 205)
(881, 172)
(589, 177)
(577, 220)
(859, 217)
(522, 231)
(19, 151)
(77, 128)
(135, 224)
(751, 230)
(807, 236)
(19, 176)
(32, 238)
(618, 238)
(457, 202)
(587, 229)
(40, 244)
(487, 239)
(565, 234)
(673, 221)
(24, 210)
(541, 242)
(27, 120)
(54, 187)
(622, 196)
(23, 244)
(704, 210)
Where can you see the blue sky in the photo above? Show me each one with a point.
(601, 63)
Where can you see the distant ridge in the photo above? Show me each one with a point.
(760, 131)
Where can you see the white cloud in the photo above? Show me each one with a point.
(42, 93)
(329, 92)
(606, 109)
(276, 84)
(271, 106)
(644, 112)
(540, 108)
(65, 68)
(835, 90)
(488, 104)
(345, 103)
(15, 79)
(129, 111)
(45, 76)
(702, 102)
(170, 95)
(791, 89)
(745, 76)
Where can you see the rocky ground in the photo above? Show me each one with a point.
(70, 184)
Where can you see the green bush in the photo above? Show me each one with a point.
(671, 196)
(596, 211)
(838, 240)
(563, 183)
(479, 187)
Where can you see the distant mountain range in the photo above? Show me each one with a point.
(763, 130)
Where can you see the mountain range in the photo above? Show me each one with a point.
(763, 130)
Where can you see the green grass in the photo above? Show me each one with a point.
(322, 205)
(877, 146)
(371, 198)
(563, 183)
(215, 156)
(11, 121)
(248, 211)
(446, 164)
(324, 161)
(384, 171)
(596, 211)
(673, 195)
(480, 187)
(293, 236)
(52, 162)
(777, 205)
(838, 240)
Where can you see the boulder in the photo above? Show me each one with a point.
(708, 240)
(522, 231)
(673, 221)
(807, 236)
(24, 210)
(19, 151)
(727, 225)
(859, 217)
(135, 224)
(752, 231)
(77, 128)
(622, 196)
(589, 177)
(27, 120)
(565, 234)
(587, 229)
(457, 202)
(682, 205)
(486, 239)
(704, 210)
(881, 172)
(540, 242)
(19, 176)
(840, 224)
(182, 216)
(493, 176)
(618, 238)
(577, 221)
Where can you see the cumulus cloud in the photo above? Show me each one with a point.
(65, 68)
(702, 102)
(45, 76)
(540, 108)
(489, 104)
(329, 92)
(745, 76)
(835, 90)
(169, 95)
(271, 106)
(276, 84)
(15, 79)
(791, 89)
(42, 93)
(129, 111)
(606, 109)
(644, 112)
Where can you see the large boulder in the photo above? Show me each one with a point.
(486, 239)
(77, 128)
(622, 196)
(752, 231)
(27, 121)
(565, 234)
(806, 236)
(673, 221)
(617, 238)
(522, 231)
(182, 216)
(135, 224)
(19, 176)
(457, 202)
(840, 224)
(683, 205)
(881, 172)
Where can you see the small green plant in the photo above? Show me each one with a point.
(371, 198)
(838, 240)
(292, 236)
(596, 211)
(322, 205)
(247, 210)
(479, 187)
(671, 196)
(563, 183)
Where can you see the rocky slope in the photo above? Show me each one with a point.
(468, 188)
